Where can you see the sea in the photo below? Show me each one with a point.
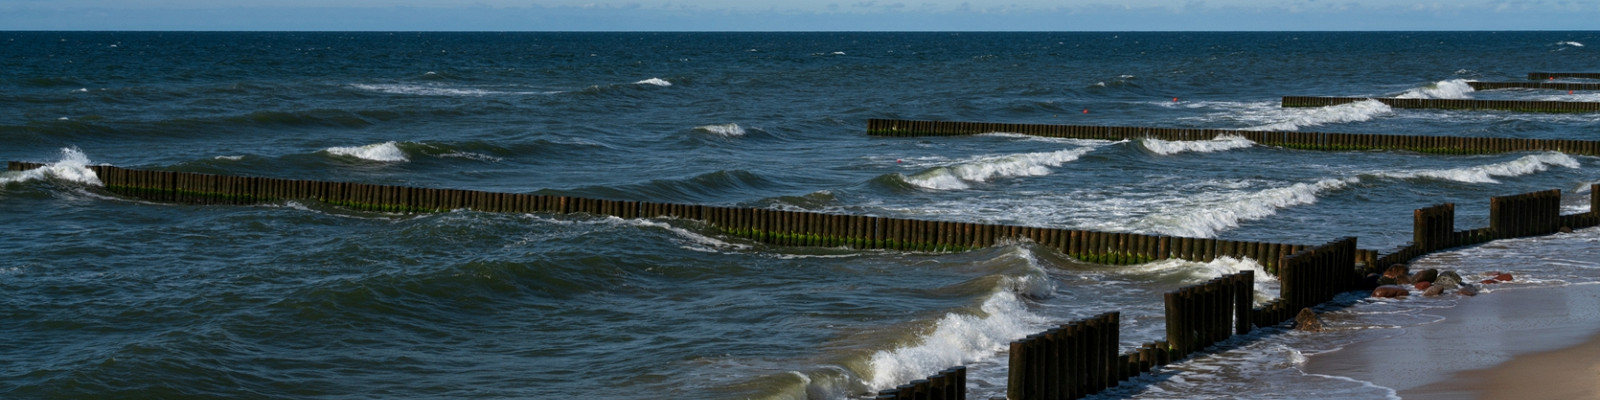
(106, 296)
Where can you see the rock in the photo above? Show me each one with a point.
(1566, 229)
(1424, 285)
(1308, 321)
(1433, 291)
(1448, 279)
(1387, 281)
(1467, 291)
(1503, 277)
(1488, 281)
(1427, 275)
(1390, 291)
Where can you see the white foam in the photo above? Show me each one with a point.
(1447, 89)
(1485, 173)
(384, 152)
(1569, 43)
(984, 168)
(956, 339)
(1291, 119)
(724, 130)
(695, 241)
(1221, 143)
(1194, 272)
(1209, 213)
(73, 167)
(429, 90)
(472, 156)
(229, 158)
(654, 81)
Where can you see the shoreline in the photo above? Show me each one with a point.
(1509, 342)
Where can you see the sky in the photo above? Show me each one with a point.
(799, 15)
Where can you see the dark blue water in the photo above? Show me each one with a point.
(106, 296)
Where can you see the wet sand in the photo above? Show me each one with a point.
(1509, 343)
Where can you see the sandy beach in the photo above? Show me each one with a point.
(1509, 343)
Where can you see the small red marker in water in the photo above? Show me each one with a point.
(897, 161)
(1174, 99)
(1085, 111)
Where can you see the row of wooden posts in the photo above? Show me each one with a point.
(949, 384)
(1287, 139)
(1080, 358)
(1521, 215)
(1450, 104)
(788, 228)
(1554, 75)
(1533, 85)
(1200, 316)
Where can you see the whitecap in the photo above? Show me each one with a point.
(1447, 89)
(423, 90)
(73, 167)
(724, 130)
(1208, 213)
(384, 152)
(1196, 272)
(654, 81)
(981, 169)
(1221, 143)
(228, 158)
(1569, 43)
(1485, 173)
(1291, 119)
(956, 339)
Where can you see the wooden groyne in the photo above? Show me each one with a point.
(1451, 104)
(1555, 75)
(1072, 361)
(1285, 139)
(784, 228)
(1533, 85)
(949, 384)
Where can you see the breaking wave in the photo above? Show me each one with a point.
(981, 169)
(382, 152)
(1448, 89)
(1221, 143)
(73, 167)
(724, 130)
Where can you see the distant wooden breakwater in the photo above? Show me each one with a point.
(1286, 139)
(1554, 75)
(1533, 85)
(1451, 104)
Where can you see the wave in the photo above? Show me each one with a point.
(1569, 43)
(1212, 212)
(435, 90)
(1485, 173)
(1195, 272)
(963, 338)
(654, 81)
(382, 152)
(1447, 89)
(724, 130)
(1292, 119)
(73, 167)
(1221, 143)
(981, 169)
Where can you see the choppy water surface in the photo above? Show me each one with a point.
(113, 297)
